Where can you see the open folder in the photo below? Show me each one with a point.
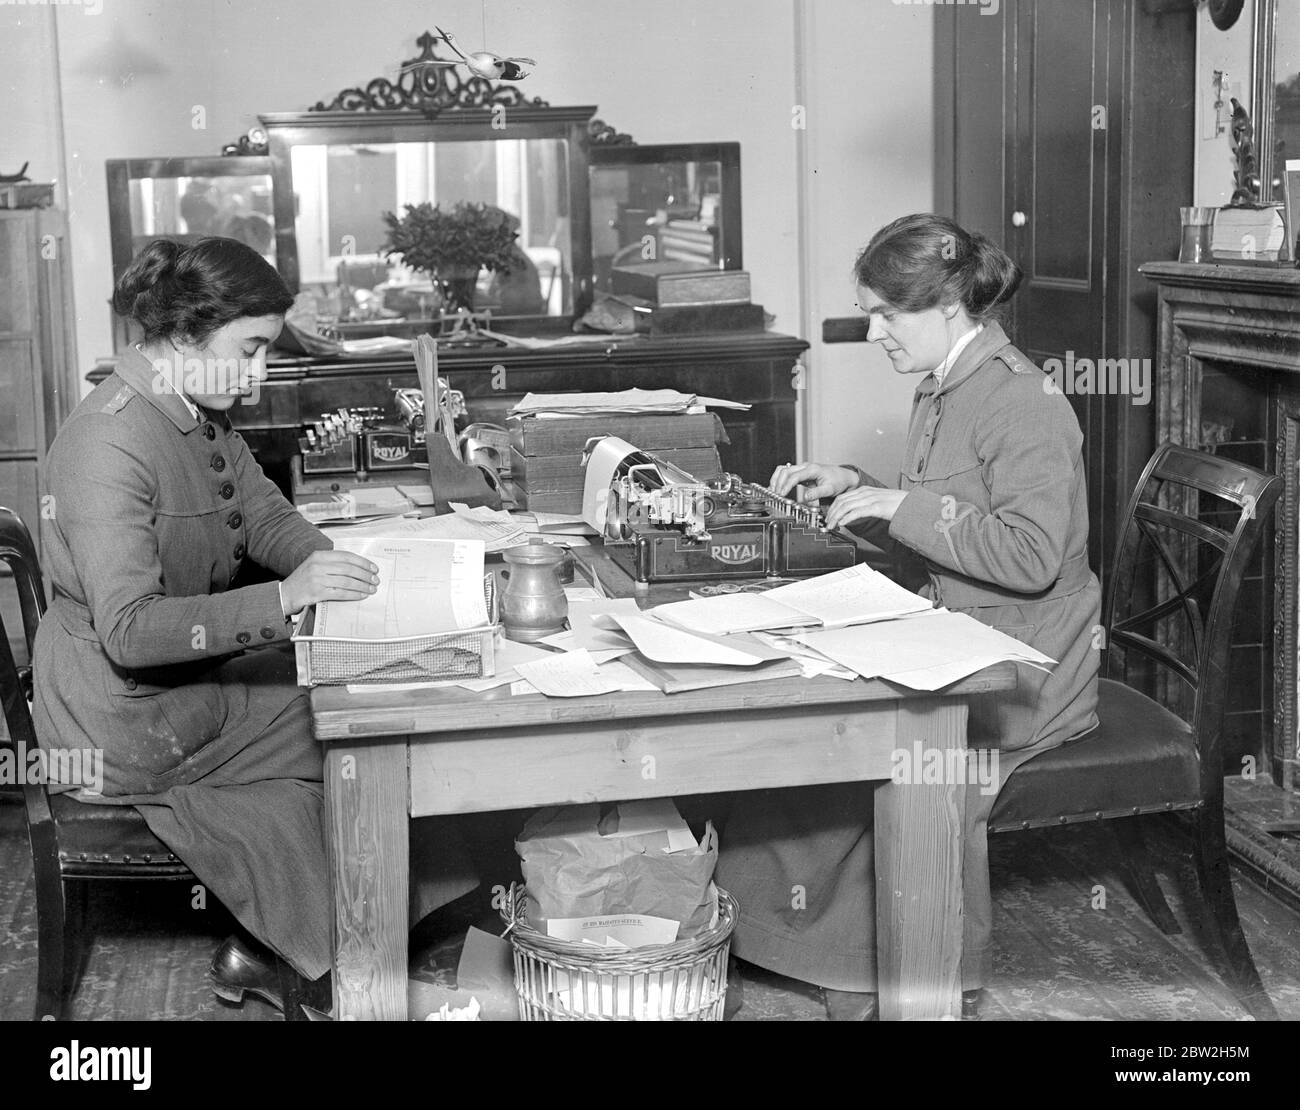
(854, 595)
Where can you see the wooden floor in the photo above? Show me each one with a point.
(1061, 954)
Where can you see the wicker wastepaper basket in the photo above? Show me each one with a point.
(559, 980)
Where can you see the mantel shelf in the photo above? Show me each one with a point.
(1258, 280)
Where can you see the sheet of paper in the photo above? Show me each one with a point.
(652, 816)
(727, 613)
(588, 628)
(854, 595)
(630, 930)
(624, 401)
(625, 676)
(417, 495)
(665, 644)
(554, 522)
(425, 586)
(572, 674)
(579, 594)
(508, 654)
(941, 648)
(494, 535)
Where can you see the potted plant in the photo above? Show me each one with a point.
(452, 246)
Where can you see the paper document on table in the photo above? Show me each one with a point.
(924, 654)
(426, 586)
(854, 595)
(665, 644)
(508, 655)
(494, 534)
(573, 674)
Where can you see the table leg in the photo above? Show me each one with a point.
(367, 829)
(919, 864)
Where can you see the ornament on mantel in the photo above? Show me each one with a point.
(485, 64)
(14, 178)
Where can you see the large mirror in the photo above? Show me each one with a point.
(343, 191)
(672, 203)
(1277, 90)
(336, 173)
(186, 199)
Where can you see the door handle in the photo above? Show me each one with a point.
(1019, 219)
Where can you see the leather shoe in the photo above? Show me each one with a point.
(238, 970)
(851, 1005)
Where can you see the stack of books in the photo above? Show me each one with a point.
(685, 296)
(1249, 235)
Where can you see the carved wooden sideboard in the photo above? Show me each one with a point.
(1228, 381)
(752, 367)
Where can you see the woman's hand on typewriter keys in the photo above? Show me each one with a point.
(329, 576)
(808, 481)
(864, 503)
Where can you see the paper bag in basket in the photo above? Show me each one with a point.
(576, 865)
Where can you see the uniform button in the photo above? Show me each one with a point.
(239, 551)
(268, 634)
(236, 519)
(130, 684)
(243, 637)
(209, 432)
(227, 491)
(218, 463)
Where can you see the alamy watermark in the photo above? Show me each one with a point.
(920, 765)
(1086, 377)
(211, 377)
(987, 7)
(93, 7)
(83, 767)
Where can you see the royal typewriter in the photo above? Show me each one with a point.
(661, 524)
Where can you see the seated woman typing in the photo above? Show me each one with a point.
(990, 519)
(148, 653)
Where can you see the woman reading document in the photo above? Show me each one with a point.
(152, 653)
(990, 519)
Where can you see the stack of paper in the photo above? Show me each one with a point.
(626, 401)
(357, 504)
(854, 595)
(924, 652)
(495, 530)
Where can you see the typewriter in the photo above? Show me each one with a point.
(661, 524)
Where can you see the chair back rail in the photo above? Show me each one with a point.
(1195, 555)
(18, 552)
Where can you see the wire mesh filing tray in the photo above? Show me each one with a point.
(439, 657)
(558, 980)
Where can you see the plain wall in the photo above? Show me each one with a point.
(141, 79)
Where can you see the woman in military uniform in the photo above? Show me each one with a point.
(147, 652)
(990, 519)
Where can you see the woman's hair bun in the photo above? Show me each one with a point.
(924, 260)
(191, 291)
(152, 267)
(993, 276)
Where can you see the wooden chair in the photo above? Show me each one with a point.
(1188, 533)
(73, 843)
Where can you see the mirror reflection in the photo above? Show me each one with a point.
(1286, 74)
(660, 211)
(189, 208)
(343, 190)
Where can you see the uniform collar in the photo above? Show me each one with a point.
(978, 351)
(139, 373)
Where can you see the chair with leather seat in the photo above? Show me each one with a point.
(73, 843)
(1188, 533)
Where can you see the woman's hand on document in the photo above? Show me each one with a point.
(329, 576)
